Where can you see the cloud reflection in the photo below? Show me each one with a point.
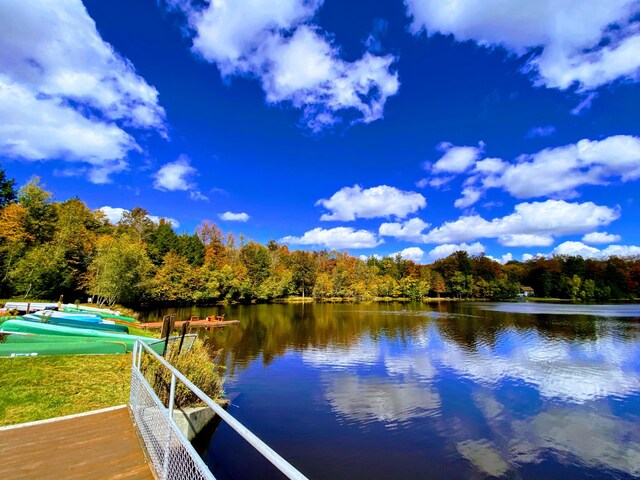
(574, 381)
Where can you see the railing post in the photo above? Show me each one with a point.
(167, 453)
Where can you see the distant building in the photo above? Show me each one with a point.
(527, 292)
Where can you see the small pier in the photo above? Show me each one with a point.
(99, 444)
(209, 322)
(138, 441)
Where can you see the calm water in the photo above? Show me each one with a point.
(482, 390)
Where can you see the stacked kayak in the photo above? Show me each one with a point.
(64, 332)
(34, 345)
(106, 314)
(59, 329)
(73, 320)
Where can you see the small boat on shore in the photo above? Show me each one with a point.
(36, 345)
(93, 323)
(37, 328)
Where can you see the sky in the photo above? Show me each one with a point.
(419, 127)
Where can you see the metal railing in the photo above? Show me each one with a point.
(171, 454)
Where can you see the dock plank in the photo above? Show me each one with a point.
(94, 446)
(195, 323)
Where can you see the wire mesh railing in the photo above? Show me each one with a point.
(171, 455)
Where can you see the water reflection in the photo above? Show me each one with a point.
(469, 391)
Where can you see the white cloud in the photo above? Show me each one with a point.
(198, 195)
(415, 254)
(350, 203)
(507, 257)
(114, 215)
(587, 43)
(411, 230)
(335, 238)
(442, 251)
(557, 171)
(563, 169)
(234, 217)
(531, 224)
(526, 240)
(455, 159)
(55, 70)
(584, 104)
(470, 196)
(174, 176)
(600, 237)
(294, 60)
(585, 251)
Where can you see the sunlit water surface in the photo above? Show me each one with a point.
(511, 390)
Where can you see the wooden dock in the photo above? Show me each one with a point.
(194, 323)
(95, 445)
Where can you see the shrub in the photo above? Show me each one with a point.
(196, 364)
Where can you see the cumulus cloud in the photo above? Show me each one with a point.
(442, 251)
(470, 196)
(411, 230)
(294, 60)
(585, 251)
(234, 217)
(531, 224)
(556, 171)
(65, 93)
(114, 215)
(415, 254)
(350, 203)
(600, 237)
(178, 176)
(455, 159)
(335, 238)
(583, 43)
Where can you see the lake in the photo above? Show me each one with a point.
(441, 391)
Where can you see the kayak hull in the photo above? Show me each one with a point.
(87, 347)
(77, 323)
(22, 326)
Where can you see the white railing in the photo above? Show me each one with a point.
(171, 454)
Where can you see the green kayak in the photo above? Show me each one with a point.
(86, 347)
(96, 311)
(69, 322)
(21, 326)
(31, 338)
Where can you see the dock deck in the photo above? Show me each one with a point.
(95, 445)
(195, 323)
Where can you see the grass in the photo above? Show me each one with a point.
(45, 387)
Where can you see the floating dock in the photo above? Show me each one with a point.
(193, 323)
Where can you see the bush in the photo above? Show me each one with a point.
(195, 364)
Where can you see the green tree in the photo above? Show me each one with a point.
(303, 267)
(41, 215)
(120, 270)
(7, 189)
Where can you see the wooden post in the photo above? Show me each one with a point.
(28, 307)
(185, 329)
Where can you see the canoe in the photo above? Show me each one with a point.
(87, 347)
(31, 338)
(85, 317)
(23, 326)
(77, 323)
(105, 315)
(33, 306)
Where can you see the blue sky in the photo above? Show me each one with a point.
(420, 126)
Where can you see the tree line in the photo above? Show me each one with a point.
(49, 248)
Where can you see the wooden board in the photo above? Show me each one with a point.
(94, 446)
(195, 323)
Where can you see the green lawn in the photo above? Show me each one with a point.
(44, 387)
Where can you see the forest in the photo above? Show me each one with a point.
(50, 248)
